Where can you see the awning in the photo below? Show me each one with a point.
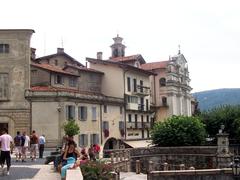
(138, 144)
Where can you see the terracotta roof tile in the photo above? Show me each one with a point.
(58, 89)
(125, 58)
(85, 69)
(52, 68)
(155, 65)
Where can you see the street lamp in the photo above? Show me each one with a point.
(236, 168)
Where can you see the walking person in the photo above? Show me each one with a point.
(42, 141)
(25, 145)
(6, 149)
(33, 145)
(18, 147)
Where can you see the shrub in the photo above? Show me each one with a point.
(96, 170)
(71, 128)
(179, 131)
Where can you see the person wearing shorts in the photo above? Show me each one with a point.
(24, 144)
(33, 145)
(6, 149)
(18, 148)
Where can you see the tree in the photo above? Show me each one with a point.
(71, 128)
(227, 115)
(179, 131)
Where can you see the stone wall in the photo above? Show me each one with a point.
(200, 157)
(207, 174)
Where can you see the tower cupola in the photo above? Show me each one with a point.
(118, 49)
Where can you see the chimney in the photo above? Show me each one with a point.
(33, 54)
(60, 50)
(99, 55)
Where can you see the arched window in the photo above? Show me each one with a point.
(162, 82)
(164, 101)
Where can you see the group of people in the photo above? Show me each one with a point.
(21, 143)
(71, 157)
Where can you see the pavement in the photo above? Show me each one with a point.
(132, 176)
(36, 170)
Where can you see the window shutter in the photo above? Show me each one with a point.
(72, 112)
(86, 140)
(107, 125)
(80, 140)
(94, 113)
(79, 113)
(91, 138)
(67, 115)
(85, 113)
(97, 139)
(121, 125)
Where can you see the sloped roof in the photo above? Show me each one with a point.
(129, 58)
(155, 65)
(120, 64)
(52, 68)
(84, 69)
(59, 54)
(55, 89)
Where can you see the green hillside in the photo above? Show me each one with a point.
(214, 98)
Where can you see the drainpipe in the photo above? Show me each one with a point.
(125, 103)
(30, 116)
(101, 137)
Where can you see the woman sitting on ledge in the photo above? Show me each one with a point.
(70, 156)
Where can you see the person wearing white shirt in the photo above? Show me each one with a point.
(42, 141)
(25, 145)
(6, 149)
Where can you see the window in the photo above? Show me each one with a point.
(105, 108)
(72, 82)
(4, 48)
(136, 118)
(134, 85)
(147, 118)
(141, 86)
(121, 109)
(56, 62)
(129, 118)
(105, 125)
(70, 112)
(132, 99)
(94, 113)
(82, 113)
(164, 101)
(147, 104)
(128, 84)
(121, 125)
(83, 140)
(58, 79)
(94, 139)
(148, 134)
(4, 86)
(162, 82)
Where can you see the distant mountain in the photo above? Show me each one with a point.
(214, 98)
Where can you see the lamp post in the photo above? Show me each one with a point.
(236, 168)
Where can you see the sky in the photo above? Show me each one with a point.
(208, 32)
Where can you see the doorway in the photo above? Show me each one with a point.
(2, 126)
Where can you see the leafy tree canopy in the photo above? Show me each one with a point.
(229, 116)
(179, 131)
(71, 128)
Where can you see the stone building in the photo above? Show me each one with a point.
(15, 111)
(170, 89)
(124, 78)
(64, 89)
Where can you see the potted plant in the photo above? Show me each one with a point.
(106, 133)
(71, 128)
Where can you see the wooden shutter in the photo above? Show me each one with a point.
(67, 112)
(85, 139)
(85, 112)
(91, 138)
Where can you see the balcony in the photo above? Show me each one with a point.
(141, 91)
(132, 106)
(138, 125)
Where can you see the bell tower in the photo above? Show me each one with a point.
(118, 49)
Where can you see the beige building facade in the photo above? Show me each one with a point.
(170, 87)
(15, 111)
